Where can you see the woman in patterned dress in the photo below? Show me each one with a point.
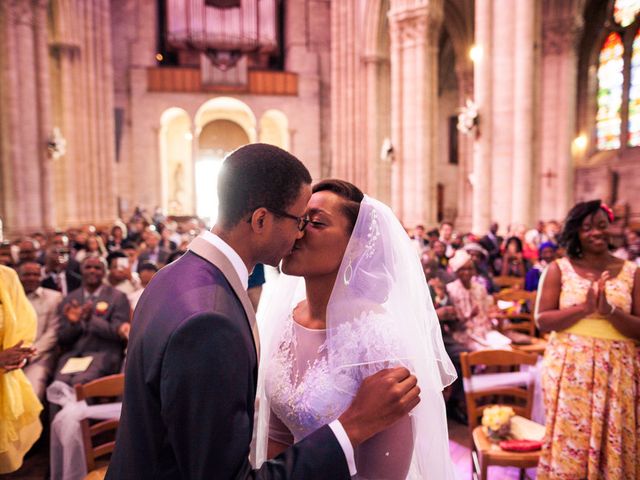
(590, 302)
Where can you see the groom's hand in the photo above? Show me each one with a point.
(383, 399)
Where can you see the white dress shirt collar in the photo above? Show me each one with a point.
(231, 254)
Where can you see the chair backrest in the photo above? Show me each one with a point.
(504, 382)
(521, 321)
(105, 387)
(515, 295)
(508, 282)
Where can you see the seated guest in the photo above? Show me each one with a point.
(447, 315)
(116, 237)
(472, 303)
(546, 255)
(153, 253)
(513, 262)
(60, 271)
(437, 253)
(28, 250)
(432, 269)
(6, 258)
(20, 409)
(420, 239)
(492, 243)
(120, 276)
(480, 261)
(447, 237)
(94, 247)
(45, 302)
(147, 271)
(131, 250)
(166, 241)
(92, 321)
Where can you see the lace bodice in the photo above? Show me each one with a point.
(306, 392)
(307, 389)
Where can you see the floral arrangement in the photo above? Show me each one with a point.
(101, 308)
(497, 421)
(468, 118)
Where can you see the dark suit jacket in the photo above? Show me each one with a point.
(98, 336)
(73, 279)
(190, 385)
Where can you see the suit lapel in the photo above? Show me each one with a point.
(204, 249)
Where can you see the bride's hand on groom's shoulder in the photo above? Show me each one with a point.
(383, 399)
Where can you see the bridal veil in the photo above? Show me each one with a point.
(380, 291)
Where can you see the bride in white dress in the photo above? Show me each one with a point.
(363, 306)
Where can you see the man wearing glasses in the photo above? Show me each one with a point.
(192, 364)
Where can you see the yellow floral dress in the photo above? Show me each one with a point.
(19, 406)
(591, 385)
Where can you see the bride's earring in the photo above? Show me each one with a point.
(348, 273)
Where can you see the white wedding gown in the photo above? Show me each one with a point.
(305, 396)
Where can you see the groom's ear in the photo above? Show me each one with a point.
(258, 219)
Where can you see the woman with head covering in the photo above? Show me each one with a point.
(480, 259)
(19, 406)
(362, 305)
(590, 301)
(546, 255)
(472, 303)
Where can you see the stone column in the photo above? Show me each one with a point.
(464, 74)
(415, 100)
(502, 60)
(483, 74)
(43, 80)
(84, 111)
(348, 141)
(554, 187)
(377, 109)
(522, 157)
(24, 117)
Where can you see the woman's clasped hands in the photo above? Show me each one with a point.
(596, 301)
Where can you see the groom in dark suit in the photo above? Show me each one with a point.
(192, 361)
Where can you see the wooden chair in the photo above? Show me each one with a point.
(522, 321)
(513, 388)
(508, 282)
(93, 434)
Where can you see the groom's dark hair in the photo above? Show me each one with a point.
(258, 175)
(351, 195)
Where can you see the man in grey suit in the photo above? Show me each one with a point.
(92, 323)
(192, 363)
(45, 302)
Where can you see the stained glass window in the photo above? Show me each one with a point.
(610, 80)
(625, 11)
(634, 94)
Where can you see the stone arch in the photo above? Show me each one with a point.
(226, 108)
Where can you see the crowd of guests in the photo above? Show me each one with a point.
(589, 303)
(464, 271)
(70, 295)
(67, 303)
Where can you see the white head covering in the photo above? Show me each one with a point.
(459, 260)
(380, 313)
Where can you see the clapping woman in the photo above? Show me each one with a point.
(590, 301)
(19, 406)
